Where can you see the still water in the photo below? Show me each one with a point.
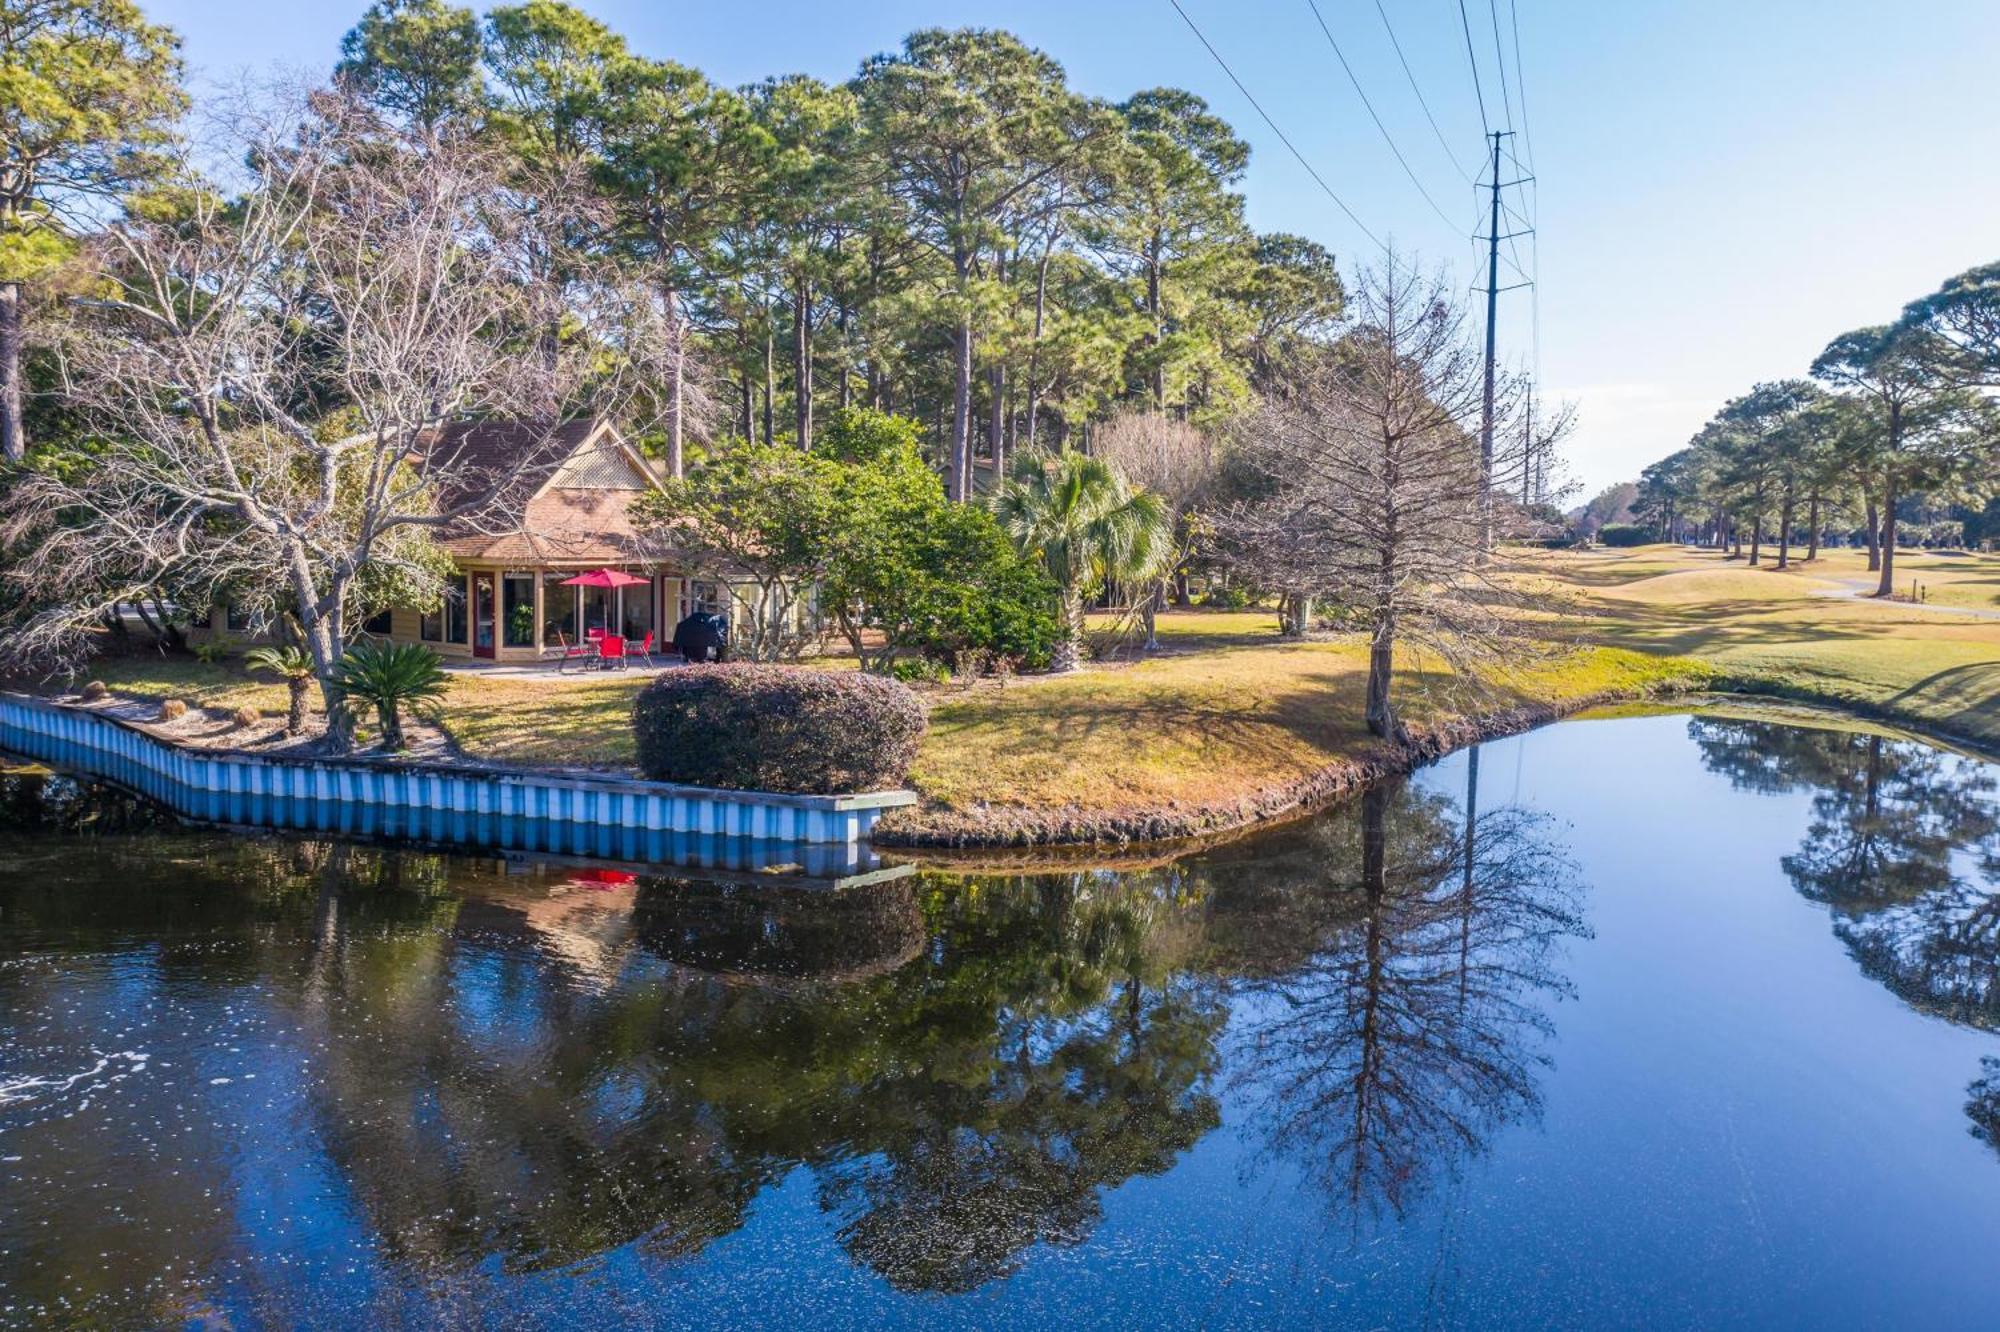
(1667, 1021)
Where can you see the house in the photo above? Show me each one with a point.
(572, 515)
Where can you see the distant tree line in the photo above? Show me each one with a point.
(1891, 441)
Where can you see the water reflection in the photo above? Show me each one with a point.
(1904, 847)
(466, 1063)
(291, 1081)
(1403, 1017)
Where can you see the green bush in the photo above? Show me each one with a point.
(908, 571)
(777, 728)
(1230, 597)
(214, 651)
(1624, 534)
(919, 670)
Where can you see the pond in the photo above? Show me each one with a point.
(1669, 1021)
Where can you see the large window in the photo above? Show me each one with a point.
(637, 614)
(446, 624)
(517, 600)
(558, 608)
(379, 624)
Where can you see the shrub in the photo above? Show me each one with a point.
(246, 716)
(777, 728)
(919, 670)
(1230, 597)
(214, 651)
(1624, 534)
(93, 691)
(392, 677)
(172, 709)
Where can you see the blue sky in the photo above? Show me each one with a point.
(1723, 186)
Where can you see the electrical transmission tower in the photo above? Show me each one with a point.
(1493, 237)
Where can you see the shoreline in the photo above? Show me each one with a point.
(1070, 830)
(918, 828)
(944, 833)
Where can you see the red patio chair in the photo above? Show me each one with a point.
(645, 648)
(610, 650)
(569, 652)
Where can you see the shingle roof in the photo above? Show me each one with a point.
(582, 513)
(563, 526)
(471, 458)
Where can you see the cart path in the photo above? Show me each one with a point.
(1863, 589)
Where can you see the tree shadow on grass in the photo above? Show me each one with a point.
(1962, 699)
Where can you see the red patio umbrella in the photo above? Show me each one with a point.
(608, 579)
(604, 578)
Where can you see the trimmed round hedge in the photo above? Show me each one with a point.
(777, 728)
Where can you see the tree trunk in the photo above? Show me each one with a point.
(1785, 530)
(844, 390)
(1068, 653)
(1035, 343)
(802, 351)
(770, 379)
(1295, 611)
(1887, 586)
(676, 374)
(1873, 530)
(959, 446)
(1159, 376)
(1381, 715)
(1757, 535)
(996, 420)
(1155, 601)
(996, 388)
(1812, 537)
(13, 432)
(295, 715)
(749, 409)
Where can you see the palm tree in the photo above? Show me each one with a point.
(1087, 527)
(297, 667)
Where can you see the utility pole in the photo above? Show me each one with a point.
(1493, 238)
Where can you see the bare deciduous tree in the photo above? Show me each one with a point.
(1177, 462)
(1368, 455)
(271, 372)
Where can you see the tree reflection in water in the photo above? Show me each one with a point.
(964, 1070)
(1400, 1018)
(1904, 848)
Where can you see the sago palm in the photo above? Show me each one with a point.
(392, 677)
(297, 667)
(1087, 527)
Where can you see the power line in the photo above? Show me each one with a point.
(1410, 74)
(1533, 194)
(1258, 106)
(1386, 136)
(1465, 24)
(1520, 81)
(1500, 63)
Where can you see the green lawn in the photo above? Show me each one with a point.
(1229, 707)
